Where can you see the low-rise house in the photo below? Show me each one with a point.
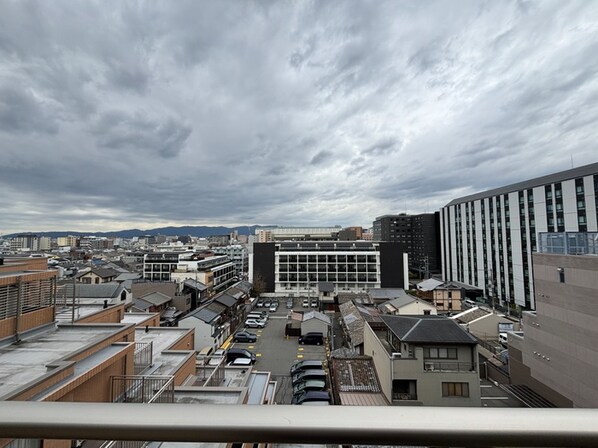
(354, 381)
(424, 360)
(353, 321)
(208, 322)
(314, 321)
(406, 305)
(98, 275)
(484, 324)
(326, 295)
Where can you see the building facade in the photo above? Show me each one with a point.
(296, 268)
(418, 234)
(557, 356)
(488, 238)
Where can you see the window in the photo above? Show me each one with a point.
(440, 352)
(455, 389)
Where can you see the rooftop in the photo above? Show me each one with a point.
(427, 329)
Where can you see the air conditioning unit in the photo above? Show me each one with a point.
(429, 366)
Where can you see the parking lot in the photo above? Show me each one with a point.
(276, 353)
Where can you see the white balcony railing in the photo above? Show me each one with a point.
(350, 425)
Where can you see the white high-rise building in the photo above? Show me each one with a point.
(487, 239)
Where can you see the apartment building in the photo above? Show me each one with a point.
(424, 360)
(296, 268)
(557, 356)
(488, 238)
(419, 236)
(238, 254)
(298, 234)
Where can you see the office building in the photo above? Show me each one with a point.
(419, 236)
(488, 238)
(557, 356)
(296, 268)
(298, 234)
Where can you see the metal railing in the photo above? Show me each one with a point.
(349, 425)
(448, 366)
(142, 389)
(143, 356)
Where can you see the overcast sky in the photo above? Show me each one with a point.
(141, 114)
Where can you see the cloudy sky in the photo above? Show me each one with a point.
(140, 114)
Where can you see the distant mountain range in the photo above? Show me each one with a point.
(197, 231)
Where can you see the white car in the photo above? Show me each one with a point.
(217, 357)
(306, 303)
(254, 323)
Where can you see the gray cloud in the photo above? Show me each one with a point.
(141, 114)
(118, 130)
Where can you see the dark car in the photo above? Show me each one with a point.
(306, 365)
(308, 385)
(244, 336)
(312, 338)
(311, 395)
(312, 374)
(234, 353)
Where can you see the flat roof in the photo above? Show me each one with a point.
(25, 362)
(162, 339)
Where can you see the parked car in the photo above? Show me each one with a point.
(254, 323)
(258, 315)
(306, 365)
(310, 396)
(305, 303)
(312, 374)
(308, 385)
(259, 303)
(312, 338)
(217, 357)
(289, 304)
(244, 336)
(243, 362)
(234, 353)
(273, 307)
(267, 303)
(314, 303)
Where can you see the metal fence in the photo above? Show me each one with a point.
(432, 366)
(142, 389)
(143, 356)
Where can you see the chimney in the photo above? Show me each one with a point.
(147, 328)
(105, 303)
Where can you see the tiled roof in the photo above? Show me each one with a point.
(226, 300)
(316, 315)
(427, 329)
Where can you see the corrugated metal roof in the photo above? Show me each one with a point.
(362, 399)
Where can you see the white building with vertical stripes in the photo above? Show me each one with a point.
(487, 239)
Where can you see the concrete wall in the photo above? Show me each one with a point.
(373, 347)
(559, 347)
(113, 314)
(203, 332)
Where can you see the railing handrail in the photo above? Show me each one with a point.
(374, 425)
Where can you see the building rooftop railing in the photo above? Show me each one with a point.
(570, 243)
(350, 425)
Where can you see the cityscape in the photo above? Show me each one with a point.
(252, 225)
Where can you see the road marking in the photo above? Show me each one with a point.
(299, 356)
(251, 346)
(301, 349)
(495, 398)
(258, 354)
(484, 385)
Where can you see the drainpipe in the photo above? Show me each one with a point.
(18, 311)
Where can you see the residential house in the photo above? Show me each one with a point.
(98, 275)
(424, 360)
(314, 321)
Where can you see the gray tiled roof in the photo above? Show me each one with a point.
(379, 294)
(226, 300)
(580, 171)
(195, 284)
(326, 286)
(427, 330)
